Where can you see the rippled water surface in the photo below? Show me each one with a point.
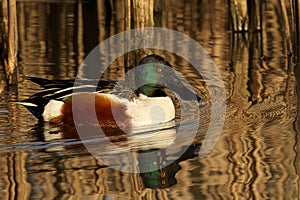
(255, 157)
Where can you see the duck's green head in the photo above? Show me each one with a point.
(156, 74)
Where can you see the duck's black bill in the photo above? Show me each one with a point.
(182, 91)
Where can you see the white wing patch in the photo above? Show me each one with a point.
(28, 104)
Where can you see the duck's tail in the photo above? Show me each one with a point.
(35, 105)
(59, 90)
(37, 102)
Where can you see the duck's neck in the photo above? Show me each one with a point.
(151, 91)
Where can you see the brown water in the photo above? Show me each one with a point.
(256, 156)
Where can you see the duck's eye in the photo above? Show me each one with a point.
(158, 70)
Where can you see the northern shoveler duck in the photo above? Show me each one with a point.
(151, 105)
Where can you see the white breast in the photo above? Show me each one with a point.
(151, 110)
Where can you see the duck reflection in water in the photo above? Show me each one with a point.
(162, 177)
(152, 156)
